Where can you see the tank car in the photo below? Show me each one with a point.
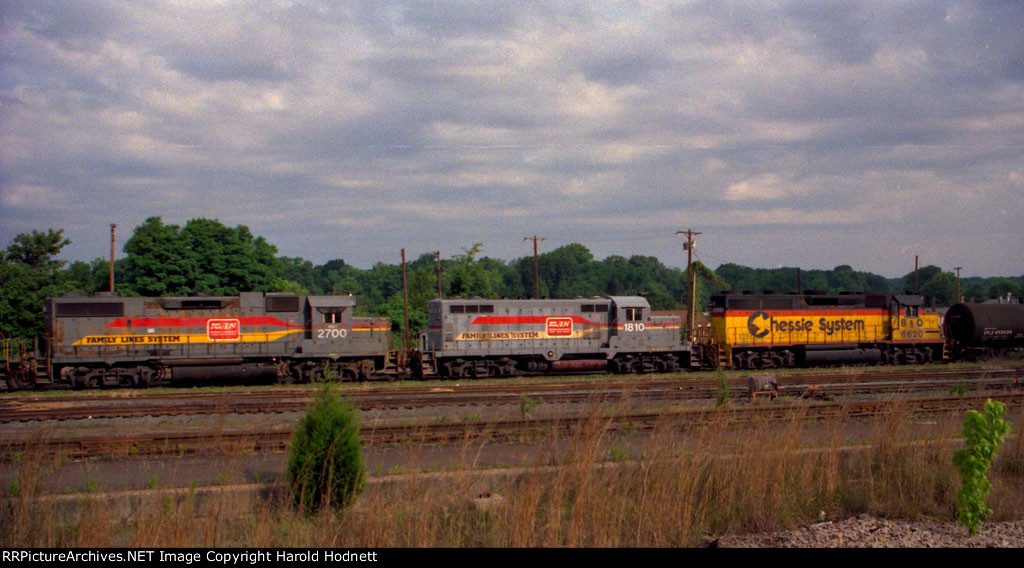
(756, 330)
(492, 338)
(128, 341)
(979, 331)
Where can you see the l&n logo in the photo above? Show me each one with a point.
(558, 327)
(223, 329)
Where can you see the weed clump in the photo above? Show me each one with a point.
(983, 433)
(325, 462)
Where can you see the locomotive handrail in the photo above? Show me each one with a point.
(737, 337)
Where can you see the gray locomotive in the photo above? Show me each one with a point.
(108, 340)
(493, 338)
(125, 341)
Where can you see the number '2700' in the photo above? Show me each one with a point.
(331, 333)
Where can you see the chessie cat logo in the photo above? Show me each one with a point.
(223, 329)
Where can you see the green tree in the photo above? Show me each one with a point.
(89, 277)
(924, 274)
(29, 274)
(202, 257)
(940, 289)
(1000, 287)
(158, 264)
(467, 277)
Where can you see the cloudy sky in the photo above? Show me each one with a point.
(805, 134)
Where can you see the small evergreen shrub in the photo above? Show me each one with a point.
(983, 433)
(325, 462)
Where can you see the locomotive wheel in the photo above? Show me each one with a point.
(145, 376)
(295, 373)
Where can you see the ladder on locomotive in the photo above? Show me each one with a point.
(17, 360)
(428, 363)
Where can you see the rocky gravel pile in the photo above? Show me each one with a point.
(869, 532)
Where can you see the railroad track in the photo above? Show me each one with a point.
(141, 404)
(226, 441)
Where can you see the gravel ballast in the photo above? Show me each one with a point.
(870, 532)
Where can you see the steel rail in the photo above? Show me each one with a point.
(276, 440)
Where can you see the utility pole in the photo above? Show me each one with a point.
(439, 296)
(917, 288)
(405, 295)
(112, 227)
(959, 298)
(536, 268)
(692, 283)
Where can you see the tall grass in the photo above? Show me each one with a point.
(675, 489)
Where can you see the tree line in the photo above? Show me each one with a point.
(206, 257)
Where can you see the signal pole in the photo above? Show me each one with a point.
(692, 282)
(536, 268)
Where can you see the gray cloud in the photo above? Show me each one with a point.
(794, 133)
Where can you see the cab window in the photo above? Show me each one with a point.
(632, 314)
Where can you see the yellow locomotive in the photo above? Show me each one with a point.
(758, 330)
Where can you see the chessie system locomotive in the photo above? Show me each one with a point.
(108, 340)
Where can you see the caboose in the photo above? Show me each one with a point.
(490, 338)
(757, 330)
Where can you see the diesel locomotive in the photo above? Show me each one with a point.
(488, 338)
(110, 340)
(757, 330)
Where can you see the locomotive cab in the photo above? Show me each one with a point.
(629, 322)
(911, 321)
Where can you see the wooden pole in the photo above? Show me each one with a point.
(959, 298)
(536, 266)
(692, 282)
(439, 296)
(112, 227)
(917, 288)
(405, 296)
